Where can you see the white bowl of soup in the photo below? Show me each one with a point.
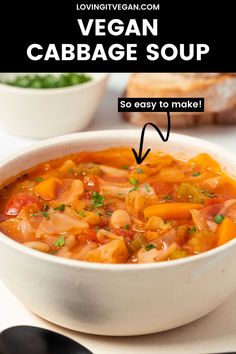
(46, 105)
(93, 242)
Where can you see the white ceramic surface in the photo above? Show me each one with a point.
(43, 113)
(117, 299)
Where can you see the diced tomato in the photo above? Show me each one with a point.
(162, 188)
(127, 234)
(91, 184)
(2, 217)
(82, 239)
(211, 201)
(212, 207)
(18, 202)
(89, 194)
(103, 223)
(91, 235)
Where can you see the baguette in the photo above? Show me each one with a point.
(219, 91)
(182, 120)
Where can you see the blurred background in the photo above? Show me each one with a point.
(107, 117)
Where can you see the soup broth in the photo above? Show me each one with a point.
(102, 207)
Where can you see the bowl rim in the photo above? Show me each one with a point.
(60, 90)
(108, 266)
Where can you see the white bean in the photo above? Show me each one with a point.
(70, 241)
(120, 218)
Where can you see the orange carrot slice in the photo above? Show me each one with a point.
(226, 231)
(171, 210)
(47, 189)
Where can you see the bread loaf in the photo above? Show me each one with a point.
(219, 91)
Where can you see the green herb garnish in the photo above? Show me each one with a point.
(150, 246)
(133, 181)
(81, 213)
(192, 230)
(97, 200)
(48, 81)
(33, 214)
(196, 174)
(109, 212)
(167, 197)
(127, 226)
(70, 170)
(133, 189)
(45, 207)
(125, 167)
(39, 179)
(219, 218)
(139, 170)
(45, 214)
(60, 207)
(60, 242)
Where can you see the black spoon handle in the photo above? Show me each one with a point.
(35, 340)
(223, 353)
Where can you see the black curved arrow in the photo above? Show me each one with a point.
(138, 157)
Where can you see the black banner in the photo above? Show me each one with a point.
(188, 36)
(161, 104)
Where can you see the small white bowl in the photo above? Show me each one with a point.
(125, 299)
(43, 113)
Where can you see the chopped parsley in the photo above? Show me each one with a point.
(139, 170)
(60, 207)
(192, 230)
(133, 181)
(133, 189)
(219, 218)
(125, 167)
(167, 222)
(39, 179)
(167, 197)
(45, 214)
(97, 200)
(127, 226)
(81, 213)
(196, 174)
(109, 212)
(150, 246)
(70, 170)
(60, 242)
(46, 207)
(33, 214)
